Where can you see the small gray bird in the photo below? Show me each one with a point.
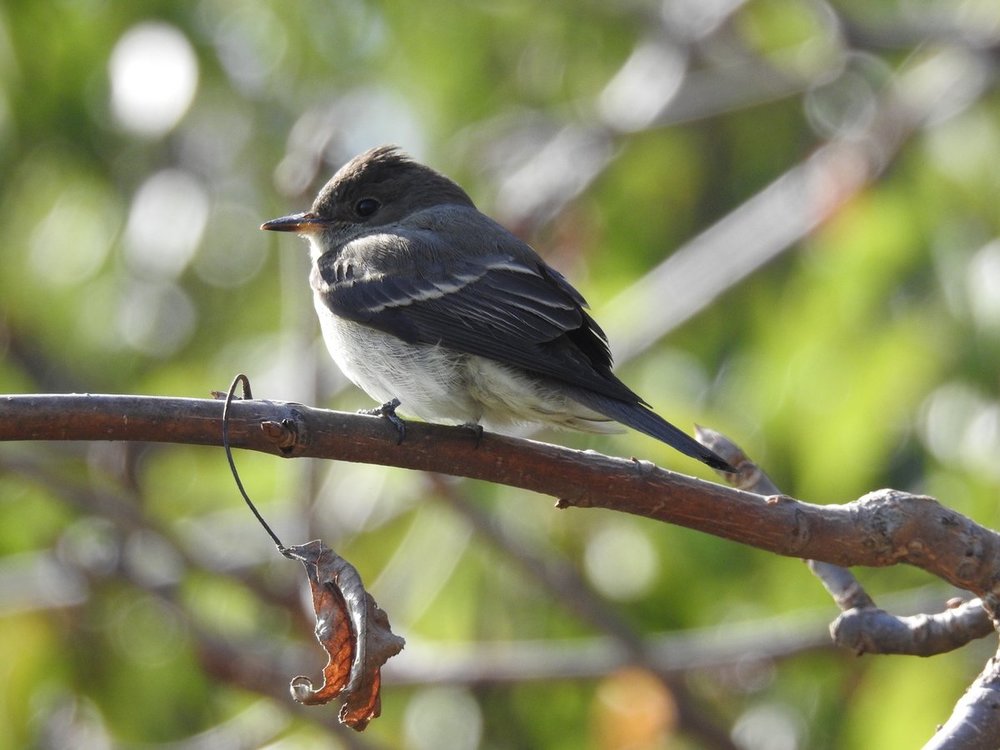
(430, 306)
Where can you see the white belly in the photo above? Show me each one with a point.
(440, 385)
(426, 379)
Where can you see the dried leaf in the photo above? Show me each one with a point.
(354, 632)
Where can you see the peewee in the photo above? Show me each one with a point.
(430, 306)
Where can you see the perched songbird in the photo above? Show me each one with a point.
(431, 306)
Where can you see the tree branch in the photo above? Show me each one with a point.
(882, 528)
(973, 725)
(885, 527)
(863, 627)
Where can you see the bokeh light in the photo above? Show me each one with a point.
(154, 78)
(165, 224)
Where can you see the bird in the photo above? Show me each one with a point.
(433, 308)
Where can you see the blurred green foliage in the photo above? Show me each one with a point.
(142, 144)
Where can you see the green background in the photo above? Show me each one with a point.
(843, 330)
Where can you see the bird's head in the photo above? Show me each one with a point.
(378, 188)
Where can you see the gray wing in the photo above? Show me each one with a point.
(506, 306)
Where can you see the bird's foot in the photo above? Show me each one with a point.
(388, 410)
(477, 430)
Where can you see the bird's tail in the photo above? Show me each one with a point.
(643, 419)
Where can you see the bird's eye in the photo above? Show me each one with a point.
(366, 207)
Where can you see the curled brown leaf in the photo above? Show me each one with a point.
(354, 632)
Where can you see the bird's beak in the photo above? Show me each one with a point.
(304, 223)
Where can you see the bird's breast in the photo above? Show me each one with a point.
(428, 380)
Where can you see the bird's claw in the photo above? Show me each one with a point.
(388, 410)
(477, 430)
